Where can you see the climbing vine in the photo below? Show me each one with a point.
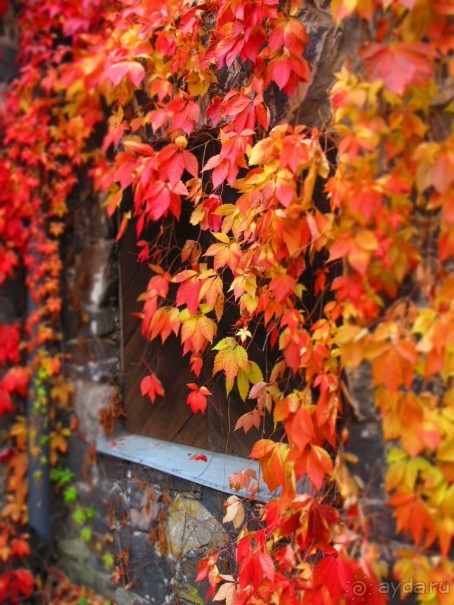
(359, 275)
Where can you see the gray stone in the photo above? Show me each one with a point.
(7, 312)
(87, 575)
(149, 574)
(102, 322)
(190, 526)
(188, 595)
(75, 548)
(214, 502)
(82, 566)
(141, 518)
(324, 54)
(96, 259)
(89, 400)
(125, 597)
(190, 566)
(91, 350)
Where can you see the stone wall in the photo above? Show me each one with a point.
(157, 526)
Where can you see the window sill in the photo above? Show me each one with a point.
(175, 459)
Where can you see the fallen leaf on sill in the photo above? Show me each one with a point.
(198, 457)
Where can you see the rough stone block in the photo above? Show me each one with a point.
(125, 597)
(190, 526)
(89, 400)
(142, 517)
(149, 574)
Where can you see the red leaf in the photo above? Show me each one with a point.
(9, 343)
(280, 72)
(319, 463)
(282, 286)
(190, 163)
(336, 574)
(20, 548)
(184, 114)
(399, 64)
(164, 321)
(171, 164)
(15, 585)
(221, 172)
(5, 402)
(197, 400)
(196, 364)
(266, 563)
(188, 294)
(25, 582)
(7, 454)
(5, 580)
(3, 7)
(16, 379)
(151, 386)
(133, 70)
(201, 457)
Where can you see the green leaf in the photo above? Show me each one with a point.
(396, 455)
(108, 560)
(90, 512)
(225, 343)
(70, 495)
(79, 516)
(86, 534)
(61, 476)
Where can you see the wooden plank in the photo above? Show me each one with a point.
(131, 323)
(128, 253)
(169, 417)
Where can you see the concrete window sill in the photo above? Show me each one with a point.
(175, 459)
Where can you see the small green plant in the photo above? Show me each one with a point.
(61, 476)
(108, 560)
(83, 516)
(64, 477)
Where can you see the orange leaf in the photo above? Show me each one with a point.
(271, 456)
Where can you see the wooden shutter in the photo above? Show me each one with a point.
(170, 418)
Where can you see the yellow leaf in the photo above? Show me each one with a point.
(231, 358)
(242, 384)
(254, 373)
(62, 392)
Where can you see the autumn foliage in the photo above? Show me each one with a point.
(361, 274)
